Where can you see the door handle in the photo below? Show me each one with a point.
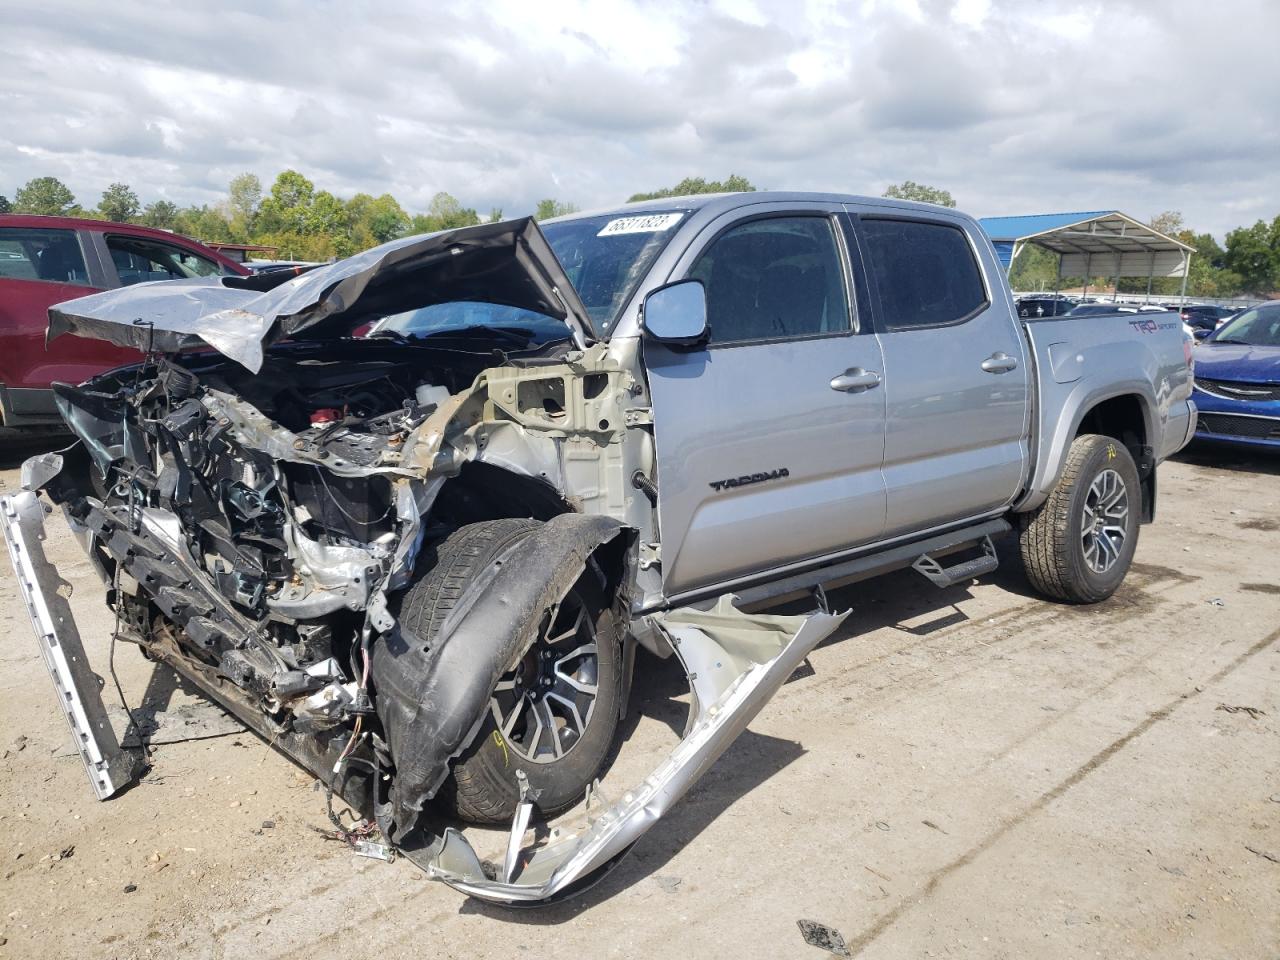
(855, 379)
(999, 363)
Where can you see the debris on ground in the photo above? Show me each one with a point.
(933, 826)
(1253, 712)
(825, 938)
(668, 884)
(1216, 602)
(1263, 854)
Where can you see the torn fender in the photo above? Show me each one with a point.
(432, 699)
(735, 662)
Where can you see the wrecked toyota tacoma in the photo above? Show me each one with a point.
(410, 515)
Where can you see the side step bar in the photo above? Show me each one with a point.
(868, 565)
(941, 576)
(78, 688)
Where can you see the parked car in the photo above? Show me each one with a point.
(1204, 318)
(1044, 306)
(1101, 309)
(420, 562)
(44, 260)
(1237, 379)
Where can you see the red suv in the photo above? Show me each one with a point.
(45, 260)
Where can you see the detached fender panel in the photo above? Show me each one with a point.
(735, 662)
(431, 700)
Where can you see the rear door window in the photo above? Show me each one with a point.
(926, 273)
(139, 260)
(776, 278)
(41, 254)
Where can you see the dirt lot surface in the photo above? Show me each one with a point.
(970, 773)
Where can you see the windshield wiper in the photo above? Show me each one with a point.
(1243, 343)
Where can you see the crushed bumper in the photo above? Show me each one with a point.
(109, 767)
(734, 661)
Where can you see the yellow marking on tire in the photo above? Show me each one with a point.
(502, 744)
(1111, 451)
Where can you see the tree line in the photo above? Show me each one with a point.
(304, 223)
(301, 222)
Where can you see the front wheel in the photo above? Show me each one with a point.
(1078, 544)
(554, 711)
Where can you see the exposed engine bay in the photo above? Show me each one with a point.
(389, 556)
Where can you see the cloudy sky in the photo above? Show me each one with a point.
(1015, 107)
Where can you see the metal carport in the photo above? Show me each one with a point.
(1093, 243)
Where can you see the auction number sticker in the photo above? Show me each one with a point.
(651, 224)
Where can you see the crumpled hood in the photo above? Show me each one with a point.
(508, 262)
(1238, 361)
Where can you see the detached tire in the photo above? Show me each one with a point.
(564, 696)
(1078, 544)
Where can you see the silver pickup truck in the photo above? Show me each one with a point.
(410, 515)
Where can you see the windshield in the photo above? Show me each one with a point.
(606, 257)
(460, 314)
(1258, 327)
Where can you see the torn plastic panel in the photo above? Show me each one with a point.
(507, 263)
(735, 662)
(431, 699)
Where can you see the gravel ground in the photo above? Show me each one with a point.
(971, 772)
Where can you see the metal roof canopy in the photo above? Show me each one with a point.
(1093, 243)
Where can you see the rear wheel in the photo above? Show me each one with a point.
(1077, 546)
(554, 711)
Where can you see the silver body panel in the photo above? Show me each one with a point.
(934, 454)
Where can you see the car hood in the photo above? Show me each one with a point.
(509, 263)
(1238, 361)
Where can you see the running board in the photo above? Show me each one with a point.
(941, 576)
(110, 768)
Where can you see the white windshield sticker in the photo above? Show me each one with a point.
(650, 224)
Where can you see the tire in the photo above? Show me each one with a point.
(482, 786)
(1065, 557)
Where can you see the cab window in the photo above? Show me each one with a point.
(772, 279)
(32, 254)
(926, 273)
(139, 260)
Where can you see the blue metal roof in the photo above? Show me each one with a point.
(1009, 229)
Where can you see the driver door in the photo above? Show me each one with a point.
(770, 437)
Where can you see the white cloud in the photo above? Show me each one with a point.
(1014, 107)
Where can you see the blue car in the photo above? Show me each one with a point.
(1237, 379)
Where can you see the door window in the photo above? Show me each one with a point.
(772, 279)
(30, 254)
(926, 273)
(140, 260)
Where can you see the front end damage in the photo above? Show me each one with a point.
(256, 515)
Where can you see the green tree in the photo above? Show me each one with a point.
(244, 195)
(382, 216)
(694, 185)
(287, 207)
(1169, 223)
(495, 214)
(1254, 254)
(1035, 269)
(45, 195)
(161, 214)
(204, 223)
(119, 203)
(910, 190)
(445, 213)
(553, 208)
(5, 205)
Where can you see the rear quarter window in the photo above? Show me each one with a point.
(926, 273)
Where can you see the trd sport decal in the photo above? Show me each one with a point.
(750, 478)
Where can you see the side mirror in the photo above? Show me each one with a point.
(1200, 333)
(677, 314)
